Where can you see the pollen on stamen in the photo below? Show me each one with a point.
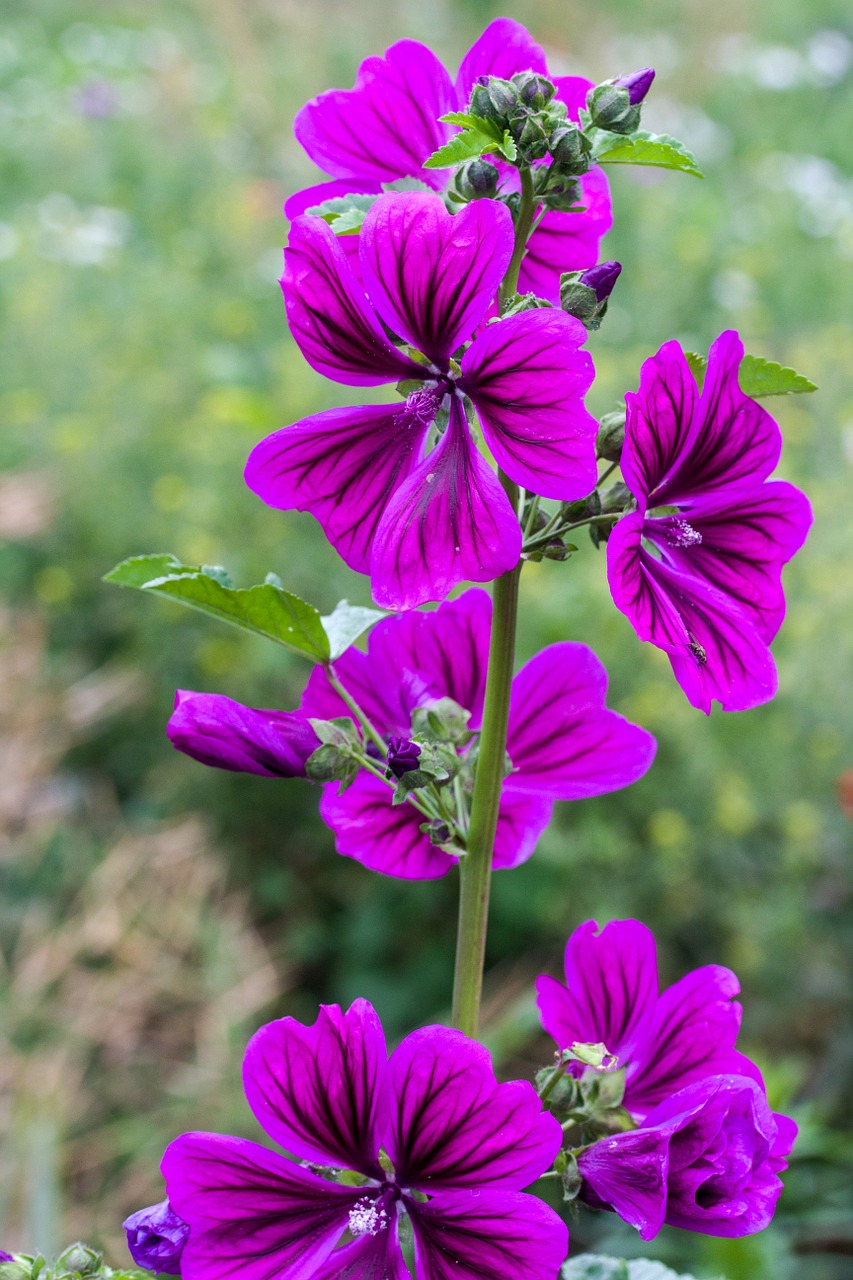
(366, 1219)
(682, 534)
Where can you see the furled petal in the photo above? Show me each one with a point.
(450, 521)
(611, 986)
(527, 376)
(567, 241)
(690, 1035)
(251, 1212)
(746, 536)
(659, 421)
(387, 125)
(504, 49)
(379, 836)
(452, 1126)
(329, 315)
(714, 646)
(226, 735)
(521, 820)
(466, 1236)
(562, 740)
(309, 197)
(430, 274)
(315, 1089)
(342, 465)
(627, 1173)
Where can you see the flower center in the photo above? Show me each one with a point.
(681, 534)
(425, 403)
(366, 1218)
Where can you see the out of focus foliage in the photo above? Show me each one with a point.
(145, 151)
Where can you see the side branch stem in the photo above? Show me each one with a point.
(523, 227)
(475, 868)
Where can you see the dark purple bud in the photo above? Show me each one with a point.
(156, 1237)
(602, 278)
(637, 83)
(5, 1257)
(403, 756)
(223, 733)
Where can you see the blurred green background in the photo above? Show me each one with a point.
(152, 912)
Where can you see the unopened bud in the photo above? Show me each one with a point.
(615, 499)
(533, 90)
(477, 180)
(569, 149)
(531, 131)
(403, 756)
(584, 294)
(81, 1259)
(493, 99)
(637, 83)
(602, 278)
(525, 302)
(611, 436)
(610, 107)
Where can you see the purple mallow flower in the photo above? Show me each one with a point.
(562, 741)
(429, 1133)
(702, 580)
(218, 731)
(707, 1159)
(156, 1238)
(602, 278)
(665, 1041)
(637, 83)
(417, 520)
(387, 126)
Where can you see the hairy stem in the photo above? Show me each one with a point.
(476, 867)
(523, 227)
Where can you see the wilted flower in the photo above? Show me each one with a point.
(156, 1238)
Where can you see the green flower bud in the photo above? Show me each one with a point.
(611, 108)
(477, 180)
(611, 436)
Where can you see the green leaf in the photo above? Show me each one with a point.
(344, 214)
(466, 120)
(467, 145)
(346, 623)
(266, 610)
(338, 733)
(759, 377)
(408, 184)
(597, 1266)
(656, 149)
(328, 763)
(697, 365)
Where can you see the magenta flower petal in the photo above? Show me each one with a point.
(628, 1174)
(567, 241)
(504, 49)
(379, 836)
(450, 521)
(611, 986)
(527, 377)
(342, 465)
(466, 1236)
(223, 733)
(562, 740)
(251, 1212)
(744, 537)
(387, 125)
(521, 820)
(451, 1126)
(329, 315)
(572, 90)
(661, 414)
(315, 1090)
(376, 1256)
(430, 274)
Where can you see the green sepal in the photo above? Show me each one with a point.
(337, 733)
(442, 721)
(658, 150)
(331, 763)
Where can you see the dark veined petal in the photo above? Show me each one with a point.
(467, 1236)
(315, 1089)
(611, 986)
(521, 820)
(388, 124)
(430, 274)
(527, 376)
(379, 698)
(375, 1254)
(504, 49)
(220, 732)
(380, 836)
(452, 1126)
(660, 420)
(449, 522)
(738, 540)
(567, 241)
(627, 1173)
(329, 315)
(342, 465)
(562, 740)
(251, 1212)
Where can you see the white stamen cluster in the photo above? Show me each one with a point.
(365, 1219)
(682, 534)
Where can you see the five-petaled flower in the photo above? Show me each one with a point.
(420, 520)
(706, 1159)
(563, 743)
(665, 1041)
(427, 1135)
(388, 125)
(701, 579)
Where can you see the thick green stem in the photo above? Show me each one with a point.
(475, 869)
(523, 227)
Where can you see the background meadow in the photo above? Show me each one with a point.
(154, 913)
